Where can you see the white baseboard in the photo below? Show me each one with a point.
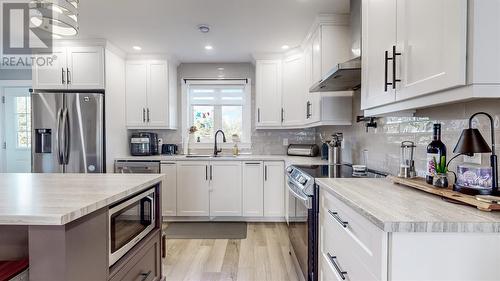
(237, 219)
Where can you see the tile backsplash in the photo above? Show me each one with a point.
(383, 143)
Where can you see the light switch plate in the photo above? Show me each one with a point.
(285, 142)
(476, 159)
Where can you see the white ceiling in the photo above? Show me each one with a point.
(239, 28)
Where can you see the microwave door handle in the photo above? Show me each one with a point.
(144, 201)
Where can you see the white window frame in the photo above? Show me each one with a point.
(247, 109)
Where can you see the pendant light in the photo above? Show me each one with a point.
(58, 18)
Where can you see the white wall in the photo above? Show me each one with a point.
(116, 131)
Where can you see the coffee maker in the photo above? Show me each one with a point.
(144, 144)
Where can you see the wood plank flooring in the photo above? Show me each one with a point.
(262, 256)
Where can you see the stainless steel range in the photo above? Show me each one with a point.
(303, 207)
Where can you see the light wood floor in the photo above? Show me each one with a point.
(262, 256)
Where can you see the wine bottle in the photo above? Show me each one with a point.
(435, 150)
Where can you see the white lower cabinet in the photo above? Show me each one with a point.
(253, 189)
(274, 189)
(193, 186)
(225, 188)
(353, 248)
(169, 189)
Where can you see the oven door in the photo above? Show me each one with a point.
(299, 226)
(129, 222)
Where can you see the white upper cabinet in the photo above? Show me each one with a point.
(268, 93)
(85, 68)
(75, 68)
(311, 100)
(150, 97)
(317, 71)
(379, 35)
(438, 52)
(294, 89)
(432, 41)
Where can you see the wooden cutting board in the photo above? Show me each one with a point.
(483, 203)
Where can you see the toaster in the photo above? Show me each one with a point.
(308, 150)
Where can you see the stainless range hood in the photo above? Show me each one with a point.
(346, 76)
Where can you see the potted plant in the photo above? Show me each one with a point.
(440, 179)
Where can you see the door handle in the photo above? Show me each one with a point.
(206, 172)
(282, 115)
(143, 115)
(211, 173)
(337, 267)
(145, 276)
(148, 114)
(386, 59)
(68, 75)
(58, 136)
(67, 136)
(63, 75)
(265, 173)
(258, 115)
(308, 110)
(394, 54)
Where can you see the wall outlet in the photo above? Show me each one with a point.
(285, 142)
(475, 159)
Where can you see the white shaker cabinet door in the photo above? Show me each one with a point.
(274, 189)
(432, 40)
(193, 188)
(294, 89)
(85, 68)
(253, 189)
(51, 75)
(169, 189)
(225, 188)
(378, 37)
(158, 103)
(268, 93)
(136, 94)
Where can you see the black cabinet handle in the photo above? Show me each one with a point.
(337, 267)
(258, 115)
(282, 115)
(211, 173)
(206, 172)
(145, 276)
(148, 115)
(386, 59)
(335, 215)
(63, 75)
(68, 75)
(265, 173)
(394, 54)
(143, 115)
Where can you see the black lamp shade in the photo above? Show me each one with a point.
(471, 141)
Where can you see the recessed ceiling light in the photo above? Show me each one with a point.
(208, 47)
(203, 28)
(137, 48)
(220, 68)
(285, 47)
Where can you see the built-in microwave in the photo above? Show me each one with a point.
(129, 222)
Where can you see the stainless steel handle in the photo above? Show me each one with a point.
(143, 115)
(335, 215)
(145, 276)
(252, 163)
(258, 115)
(211, 173)
(68, 75)
(58, 137)
(265, 173)
(67, 136)
(63, 76)
(337, 267)
(147, 110)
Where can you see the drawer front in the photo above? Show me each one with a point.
(352, 237)
(144, 267)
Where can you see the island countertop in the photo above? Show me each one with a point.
(397, 208)
(57, 199)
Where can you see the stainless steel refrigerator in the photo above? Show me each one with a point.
(67, 132)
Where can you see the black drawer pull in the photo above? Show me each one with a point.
(337, 267)
(145, 276)
(335, 215)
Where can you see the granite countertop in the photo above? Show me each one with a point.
(289, 160)
(57, 199)
(397, 208)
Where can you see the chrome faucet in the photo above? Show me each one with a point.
(216, 151)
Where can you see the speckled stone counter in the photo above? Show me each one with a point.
(397, 208)
(57, 199)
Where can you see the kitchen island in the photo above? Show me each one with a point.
(372, 229)
(62, 222)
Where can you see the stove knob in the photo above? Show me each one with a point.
(289, 169)
(302, 180)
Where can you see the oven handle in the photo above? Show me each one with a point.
(303, 198)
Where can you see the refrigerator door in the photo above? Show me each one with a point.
(46, 139)
(84, 133)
